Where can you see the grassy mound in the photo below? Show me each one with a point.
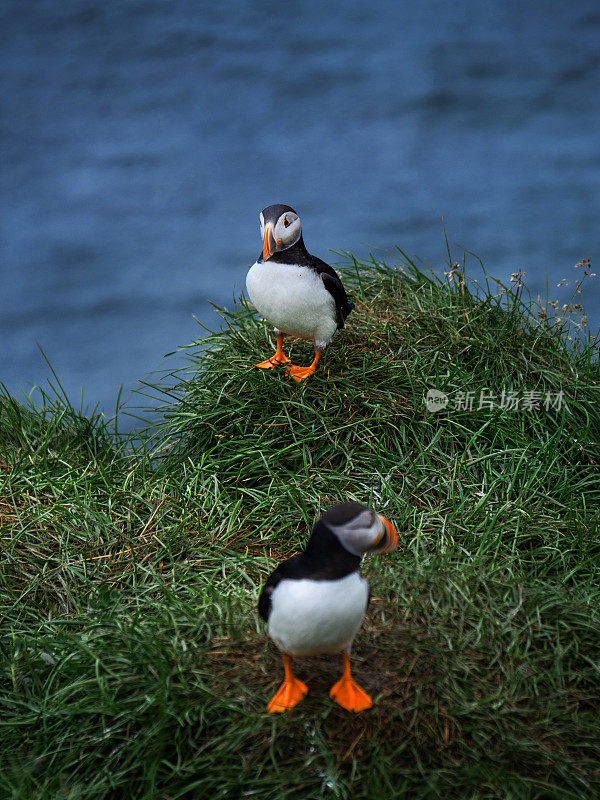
(133, 663)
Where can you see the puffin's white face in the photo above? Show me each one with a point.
(366, 533)
(279, 236)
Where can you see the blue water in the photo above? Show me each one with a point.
(141, 139)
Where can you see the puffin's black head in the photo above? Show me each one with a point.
(360, 529)
(351, 529)
(280, 228)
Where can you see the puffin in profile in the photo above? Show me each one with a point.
(296, 292)
(315, 602)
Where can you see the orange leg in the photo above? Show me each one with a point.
(290, 692)
(279, 357)
(348, 694)
(301, 373)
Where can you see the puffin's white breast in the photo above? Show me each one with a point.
(310, 617)
(293, 299)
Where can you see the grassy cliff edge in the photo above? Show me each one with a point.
(132, 662)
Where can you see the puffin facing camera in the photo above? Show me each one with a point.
(295, 291)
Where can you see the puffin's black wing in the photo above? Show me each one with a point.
(342, 306)
(333, 284)
(294, 568)
(264, 600)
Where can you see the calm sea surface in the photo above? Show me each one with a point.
(140, 140)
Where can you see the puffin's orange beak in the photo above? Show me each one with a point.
(269, 242)
(392, 536)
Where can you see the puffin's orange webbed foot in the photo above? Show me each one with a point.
(287, 696)
(302, 373)
(290, 692)
(350, 696)
(347, 693)
(274, 361)
(279, 357)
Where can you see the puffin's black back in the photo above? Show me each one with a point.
(323, 559)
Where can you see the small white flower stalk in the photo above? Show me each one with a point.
(572, 312)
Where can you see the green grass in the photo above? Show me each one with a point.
(132, 661)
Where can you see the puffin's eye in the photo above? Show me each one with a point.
(286, 222)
